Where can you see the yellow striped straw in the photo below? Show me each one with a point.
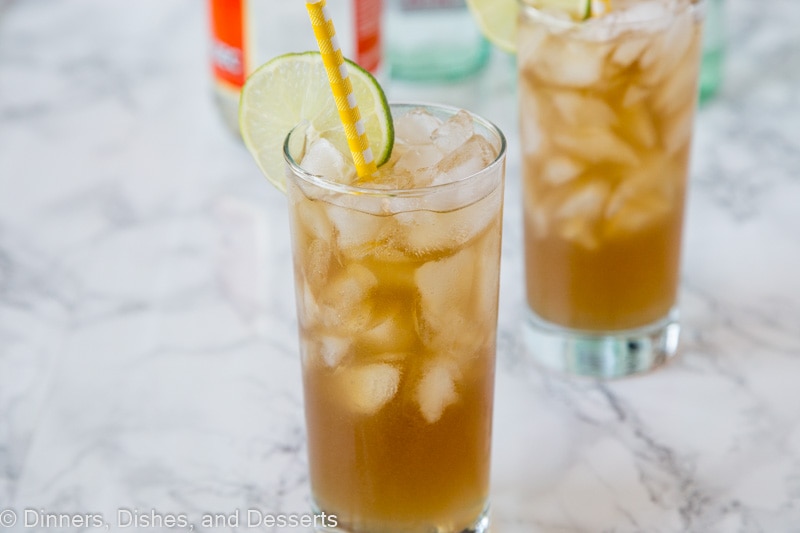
(342, 88)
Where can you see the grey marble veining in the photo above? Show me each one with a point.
(147, 334)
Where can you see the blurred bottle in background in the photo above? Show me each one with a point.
(247, 33)
(432, 40)
(713, 50)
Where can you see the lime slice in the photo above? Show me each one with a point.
(498, 18)
(294, 88)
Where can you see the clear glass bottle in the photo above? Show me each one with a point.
(247, 33)
(432, 40)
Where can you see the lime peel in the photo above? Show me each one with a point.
(497, 20)
(293, 88)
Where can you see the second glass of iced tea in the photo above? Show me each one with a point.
(397, 291)
(606, 116)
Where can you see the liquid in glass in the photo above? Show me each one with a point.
(397, 292)
(606, 114)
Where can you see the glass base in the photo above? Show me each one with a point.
(481, 525)
(598, 354)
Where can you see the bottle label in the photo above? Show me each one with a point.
(234, 21)
(227, 49)
(367, 34)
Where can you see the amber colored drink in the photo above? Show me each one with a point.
(606, 111)
(397, 290)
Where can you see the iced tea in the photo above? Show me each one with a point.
(606, 112)
(397, 291)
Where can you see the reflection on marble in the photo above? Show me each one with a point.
(147, 333)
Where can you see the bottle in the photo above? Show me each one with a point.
(247, 33)
(433, 40)
(713, 50)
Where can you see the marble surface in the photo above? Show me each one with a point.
(148, 354)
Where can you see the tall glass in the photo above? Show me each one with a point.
(397, 293)
(606, 116)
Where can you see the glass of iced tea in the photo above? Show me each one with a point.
(397, 291)
(606, 115)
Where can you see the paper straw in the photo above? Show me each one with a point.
(342, 88)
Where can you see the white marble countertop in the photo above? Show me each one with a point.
(147, 333)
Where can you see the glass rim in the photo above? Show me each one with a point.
(358, 190)
(534, 12)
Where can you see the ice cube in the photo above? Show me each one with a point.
(445, 286)
(311, 218)
(345, 304)
(531, 40)
(316, 262)
(482, 214)
(487, 280)
(418, 157)
(637, 126)
(362, 236)
(640, 12)
(584, 200)
(428, 233)
(576, 63)
(581, 231)
(530, 119)
(366, 389)
(471, 157)
(628, 50)
(402, 168)
(560, 169)
(324, 159)
(355, 231)
(394, 333)
(333, 350)
(577, 108)
(557, 15)
(597, 145)
(676, 92)
(477, 232)
(578, 216)
(633, 95)
(660, 60)
(309, 308)
(352, 285)
(416, 127)
(447, 314)
(634, 213)
(437, 389)
(454, 132)
(536, 218)
(540, 196)
(642, 198)
(676, 131)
